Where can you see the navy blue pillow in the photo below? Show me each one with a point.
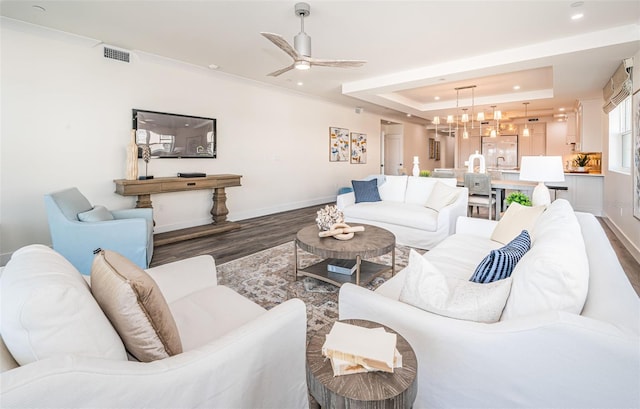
(500, 263)
(366, 190)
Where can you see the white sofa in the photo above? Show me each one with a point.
(236, 354)
(402, 210)
(549, 356)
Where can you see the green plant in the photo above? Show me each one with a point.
(425, 173)
(519, 197)
(581, 160)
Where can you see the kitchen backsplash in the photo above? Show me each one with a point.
(594, 165)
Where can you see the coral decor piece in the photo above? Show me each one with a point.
(329, 216)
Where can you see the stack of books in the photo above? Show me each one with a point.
(353, 349)
(341, 266)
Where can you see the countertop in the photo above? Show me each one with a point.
(566, 173)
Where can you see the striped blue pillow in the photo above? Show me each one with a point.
(500, 263)
(366, 190)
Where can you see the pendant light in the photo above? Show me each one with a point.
(525, 131)
(464, 120)
(449, 121)
(496, 116)
(436, 122)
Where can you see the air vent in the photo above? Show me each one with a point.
(115, 54)
(532, 119)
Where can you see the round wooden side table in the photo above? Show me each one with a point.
(371, 390)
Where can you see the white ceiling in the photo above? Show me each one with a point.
(416, 50)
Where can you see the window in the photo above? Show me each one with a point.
(620, 137)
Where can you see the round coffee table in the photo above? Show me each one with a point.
(369, 390)
(372, 242)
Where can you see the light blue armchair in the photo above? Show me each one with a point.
(130, 233)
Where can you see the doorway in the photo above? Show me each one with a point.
(392, 148)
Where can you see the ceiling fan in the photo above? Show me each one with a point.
(301, 52)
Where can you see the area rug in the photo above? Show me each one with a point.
(267, 278)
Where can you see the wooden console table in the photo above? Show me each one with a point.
(145, 188)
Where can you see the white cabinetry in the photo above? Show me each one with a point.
(584, 192)
(590, 121)
(535, 144)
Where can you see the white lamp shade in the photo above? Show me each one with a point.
(542, 169)
(436, 120)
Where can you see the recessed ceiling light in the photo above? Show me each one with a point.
(214, 66)
(408, 115)
(561, 109)
(300, 83)
(516, 87)
(577, 16)
(437, 98)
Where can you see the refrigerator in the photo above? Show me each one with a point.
(501, 151)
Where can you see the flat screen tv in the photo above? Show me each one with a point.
(175, 135)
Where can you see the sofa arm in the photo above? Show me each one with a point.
(461, 362)
(345, 199)
(143, 213)
(259, 365)
(183, 277)
(447, 215)
(476, 227)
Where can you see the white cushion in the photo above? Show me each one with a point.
(442, 196)
(554, 274)
(393, 189)
(419, 189)
(514, 220)
(211, 305)
(396, 213)
(427, 288)
(48, 310)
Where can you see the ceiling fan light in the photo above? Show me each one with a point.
(302, 65)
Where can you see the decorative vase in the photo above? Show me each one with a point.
(132, 157)
(416, 166)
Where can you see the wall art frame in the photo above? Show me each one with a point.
(432, 148)
(338, 144)
(636, 153)
(436, 148)
(358, 148)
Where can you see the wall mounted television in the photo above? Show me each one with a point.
(175, 135)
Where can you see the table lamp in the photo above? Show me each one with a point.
(541, 169)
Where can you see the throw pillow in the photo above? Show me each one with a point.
(427, 288)
(97, 214)
(442, 196)
(500, 263)
(48, 310)
(366, 190)
(135, 306)
(514, 220)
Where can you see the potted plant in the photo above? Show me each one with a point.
(518, 197)
(581, 161)
(425, 173)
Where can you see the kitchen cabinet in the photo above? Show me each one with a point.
(585, 192)
(572, 128)
(590, 120)
(535, 144)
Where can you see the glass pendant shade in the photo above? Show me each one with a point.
(525, 131)
(493, 133)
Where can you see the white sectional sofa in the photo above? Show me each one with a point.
(568, 337)
(235, 353)
(402, 209)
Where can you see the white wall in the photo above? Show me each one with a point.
(618, 188)
(66, 119)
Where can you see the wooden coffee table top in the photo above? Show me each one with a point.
(372, 242)
(363, 390)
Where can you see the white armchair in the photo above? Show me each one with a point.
(236, 354)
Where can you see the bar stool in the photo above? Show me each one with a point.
(555, 190)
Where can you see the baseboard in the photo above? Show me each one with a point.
(239, 216)
(628, 244)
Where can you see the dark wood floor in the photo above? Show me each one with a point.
(261, 233)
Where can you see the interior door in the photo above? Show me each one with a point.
(393, 154)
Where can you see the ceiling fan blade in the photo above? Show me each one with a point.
(278, 40)
(336, 63)
(281, 71)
